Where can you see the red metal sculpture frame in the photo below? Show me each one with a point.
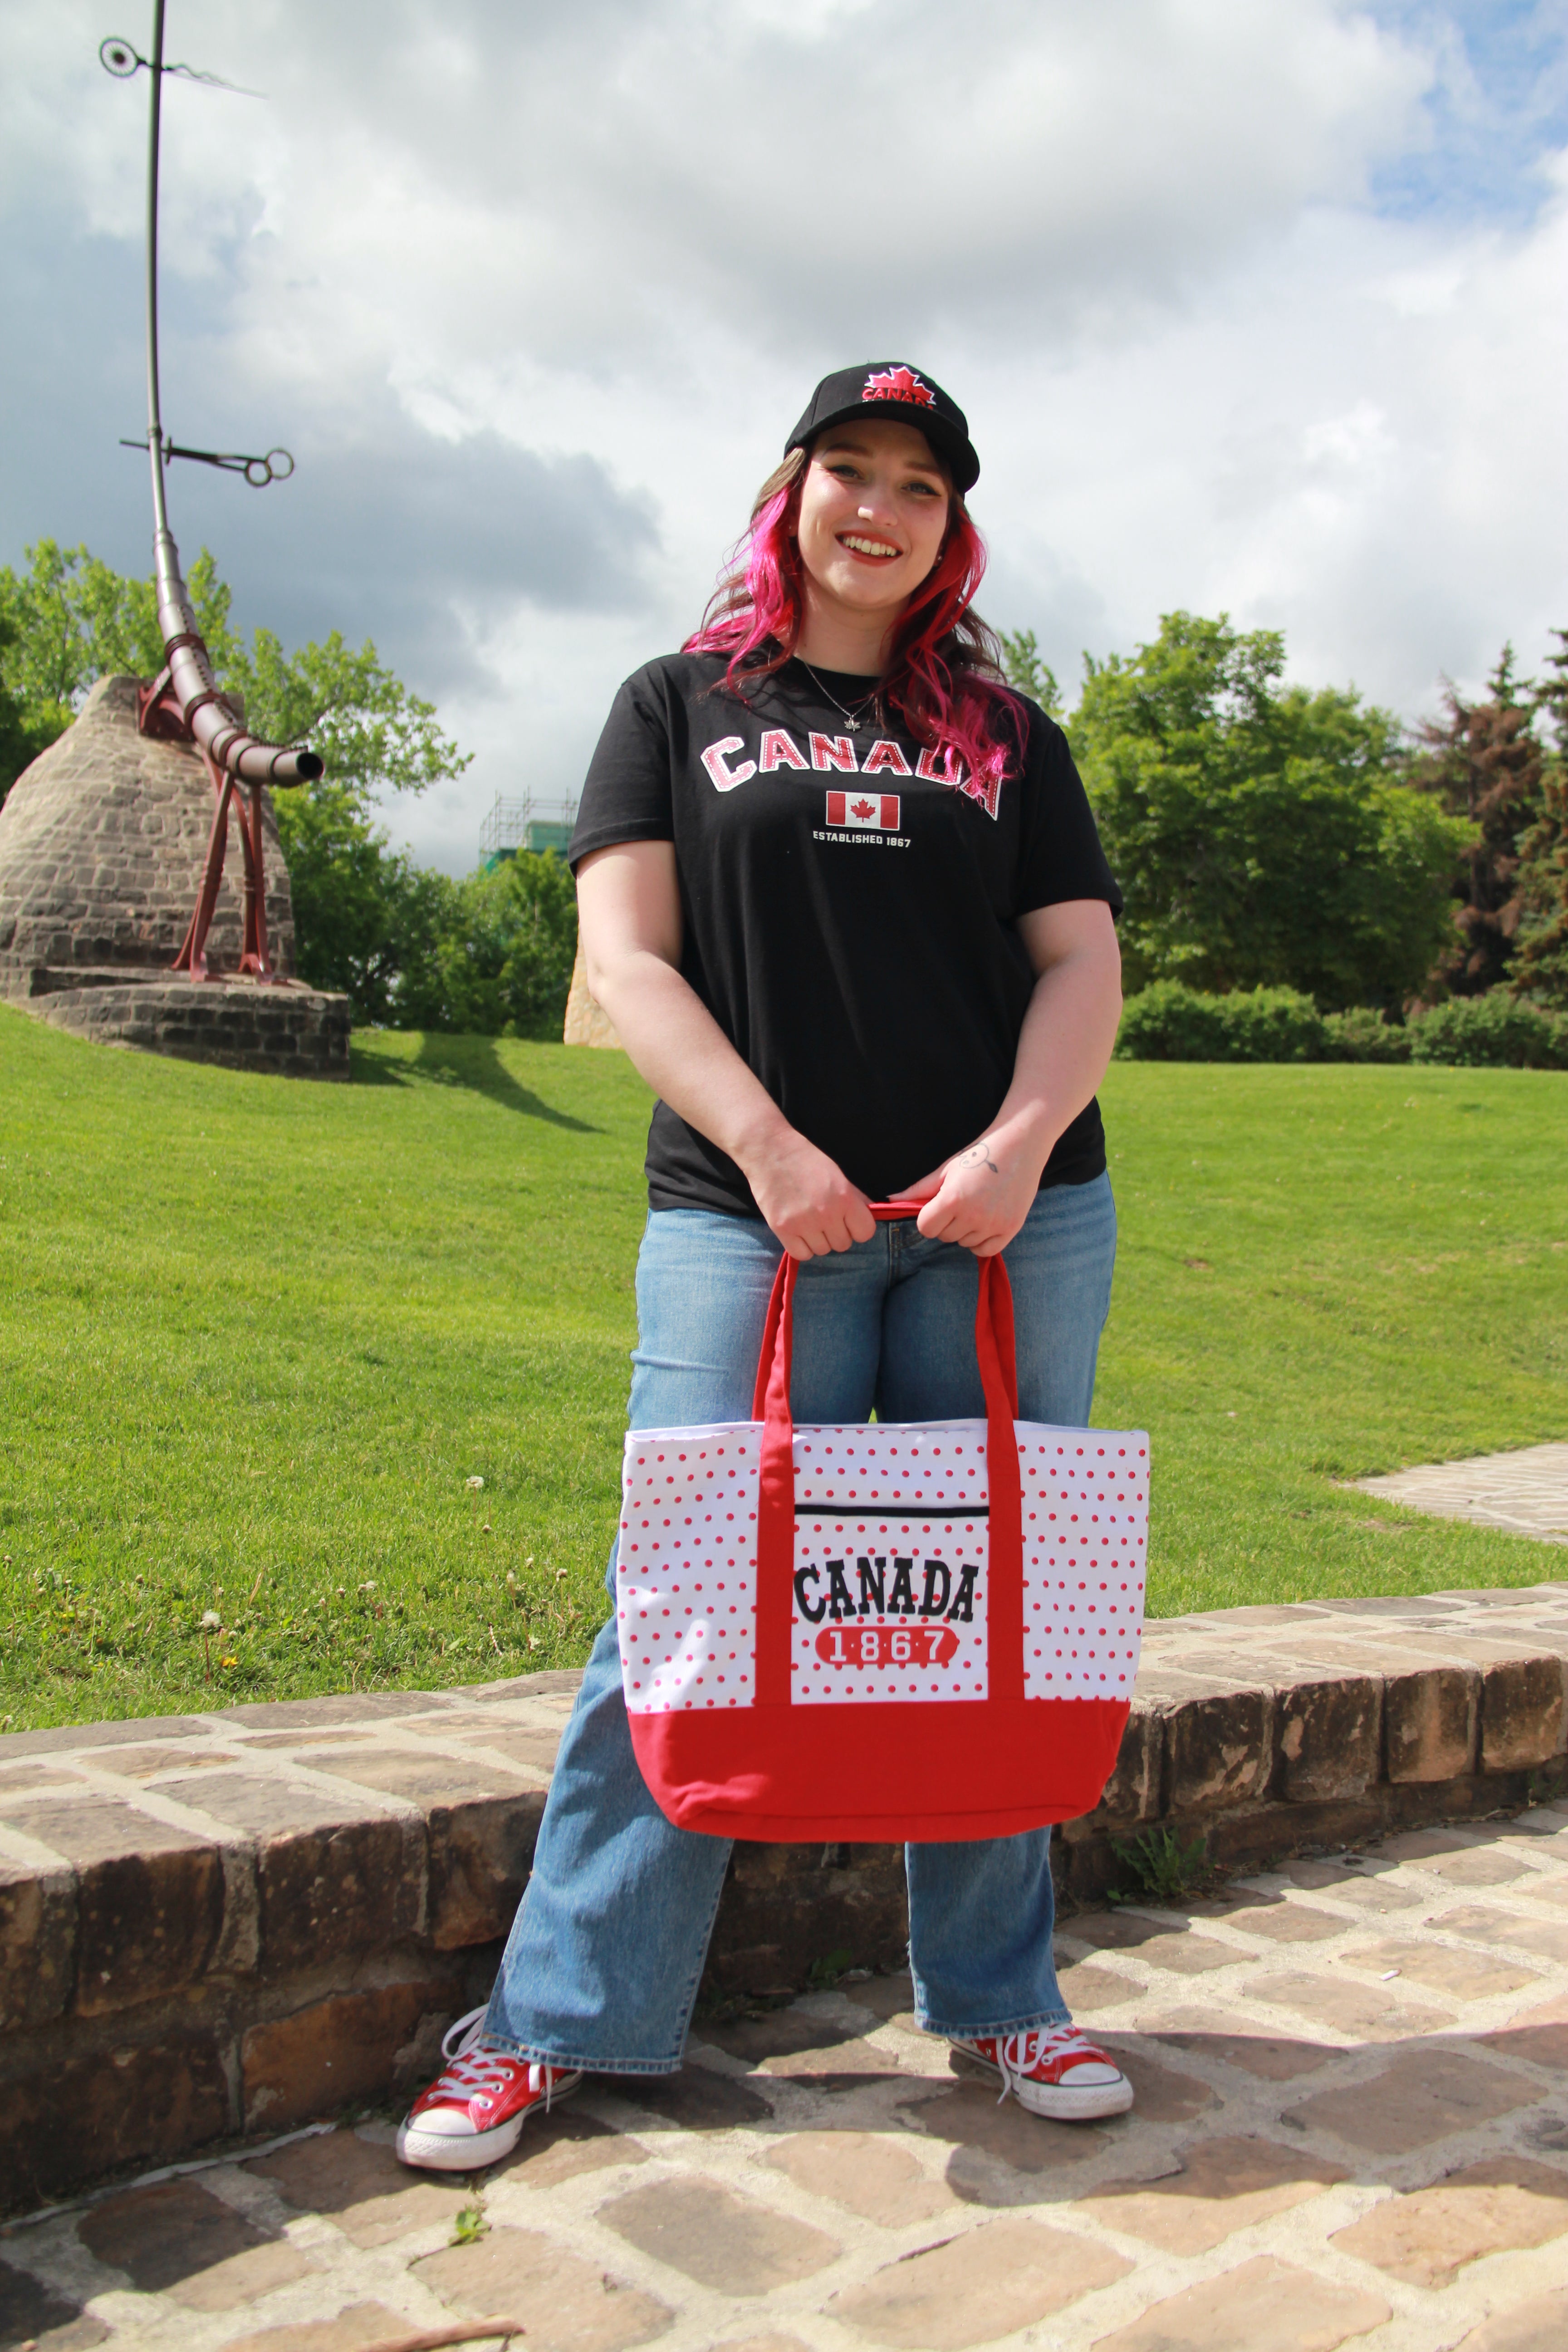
(184, 703)
(159, 714)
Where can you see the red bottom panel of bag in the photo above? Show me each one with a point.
(879, 1773)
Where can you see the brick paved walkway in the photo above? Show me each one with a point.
(1525, 1493)
(1352, 2128)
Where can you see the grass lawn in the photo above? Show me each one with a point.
(256, 1338)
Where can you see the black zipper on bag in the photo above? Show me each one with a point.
(892, 1511)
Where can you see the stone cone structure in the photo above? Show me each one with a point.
(587, 1023)
(103, 844)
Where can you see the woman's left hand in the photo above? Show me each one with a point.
(981, 1197)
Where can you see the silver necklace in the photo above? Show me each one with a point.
(851, 717)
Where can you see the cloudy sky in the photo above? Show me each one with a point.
(1255, 305)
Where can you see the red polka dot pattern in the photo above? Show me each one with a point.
(686, 1608)
(687, 1583)
(1086, 1530)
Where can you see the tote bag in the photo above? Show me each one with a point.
(923, 1630)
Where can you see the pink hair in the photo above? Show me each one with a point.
(943, 670)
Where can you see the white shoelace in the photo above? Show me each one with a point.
(1017, 2054)
(474, 2069)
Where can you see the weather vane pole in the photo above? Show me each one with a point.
(184, 701)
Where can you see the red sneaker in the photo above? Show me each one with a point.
(1054, 2071)
(473, 2113)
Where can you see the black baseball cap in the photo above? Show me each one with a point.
(892, 388)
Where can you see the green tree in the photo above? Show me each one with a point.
(1540, 967)
(503, 963)
(1482, 761)
(1025, 669)
(1261, 831)
(24, 732)
(75, 620)
(365, 917)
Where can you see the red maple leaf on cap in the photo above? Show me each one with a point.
(900, 384)
(864, 808)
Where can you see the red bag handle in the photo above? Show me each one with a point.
(994, 1346)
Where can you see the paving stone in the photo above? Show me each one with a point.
(1263, 2306)
(1368, 1890)
(371, 2196)
(1539, 2035)
(1420, 2096)
(1223, 2185)
(565, 2143)
(562, 2303)
(1547, 1938)
(1286, 1923)
(1464, 1975)
(841, 2067)
(1161, 2095)
(884, 1996)
(335, 2050)
(697, 2099)
(1482, 1868)
(176, 2238)
(1266, 2056)
(724, 2241)
(760, 2344)
(866, 2171)
(1154, 1941)
(1427, 2237)
(353, 2329)
(37, 2315)
(777, 2034)
(1362, 2012)
(1000, 2150)
(1424, 1846)
(1085, 1988)
(1538, 2326)
(991, 2281)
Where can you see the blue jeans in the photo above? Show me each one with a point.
(605, 1954)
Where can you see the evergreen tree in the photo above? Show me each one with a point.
(1482, 761)
(1541, 945)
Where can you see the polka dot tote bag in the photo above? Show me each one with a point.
(922, 1630)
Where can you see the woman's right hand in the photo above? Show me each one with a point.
(806, 1199)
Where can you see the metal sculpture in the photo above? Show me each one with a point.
(184, 703)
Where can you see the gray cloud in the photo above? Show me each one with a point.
(533, 294)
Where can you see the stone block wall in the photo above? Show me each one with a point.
(289, 1033)
(231, 1923)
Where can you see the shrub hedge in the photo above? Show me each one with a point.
(1170, 1023)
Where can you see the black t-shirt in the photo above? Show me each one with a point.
(847, 919)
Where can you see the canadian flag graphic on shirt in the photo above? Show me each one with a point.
(870, 812)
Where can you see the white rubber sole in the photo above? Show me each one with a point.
(440, 2151)
(1059, 2103)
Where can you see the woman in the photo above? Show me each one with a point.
(842, 897)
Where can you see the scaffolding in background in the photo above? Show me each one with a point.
(542, 825)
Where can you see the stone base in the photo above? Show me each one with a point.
(282, 1030)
